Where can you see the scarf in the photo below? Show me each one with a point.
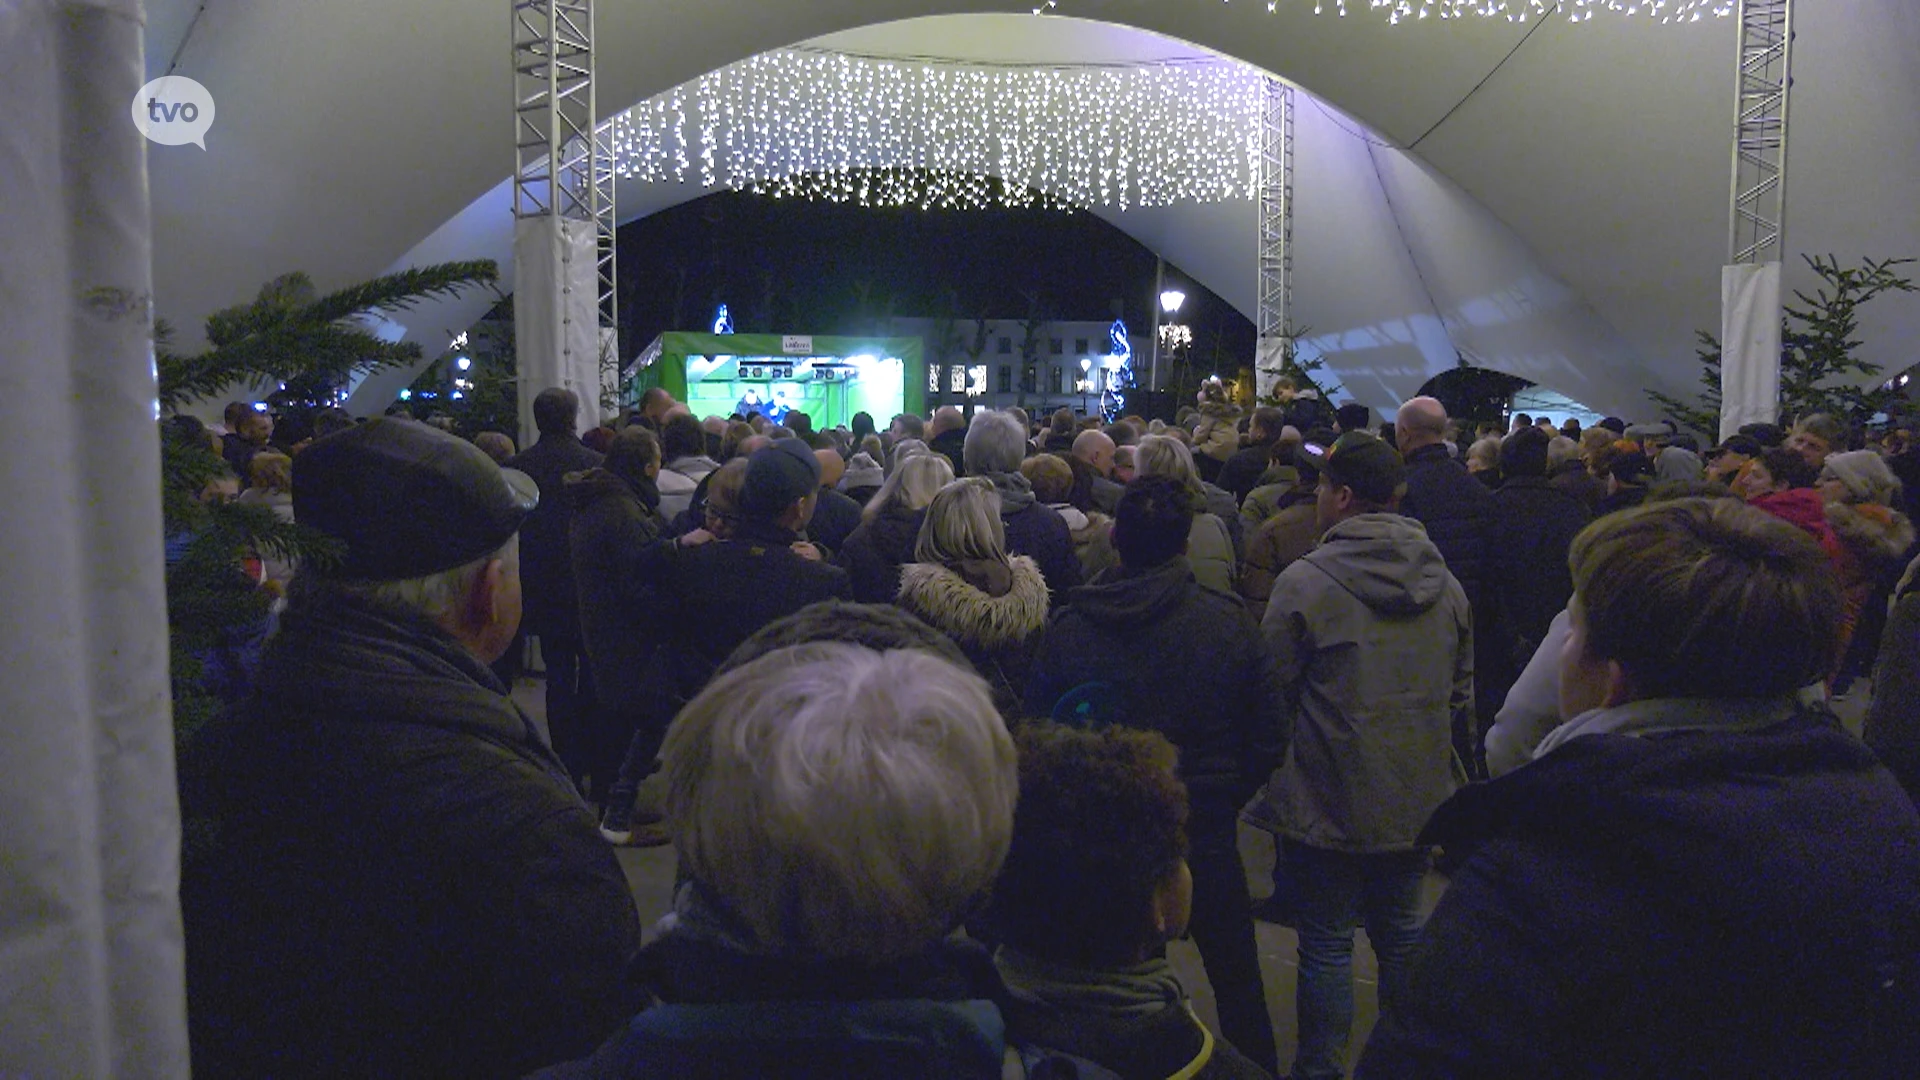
(1141, 990)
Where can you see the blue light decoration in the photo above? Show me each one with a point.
(1119, 367)
(723, 321)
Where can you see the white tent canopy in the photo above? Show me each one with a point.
(1566, 222)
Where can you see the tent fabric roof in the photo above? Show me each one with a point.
(1559, 212)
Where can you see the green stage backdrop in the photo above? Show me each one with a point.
(892, 379)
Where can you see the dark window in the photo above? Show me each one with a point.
(1006, 346)
(1006, 376)
(1079, 346)
(1057, 347)
(1029, 380)
(1059, 379)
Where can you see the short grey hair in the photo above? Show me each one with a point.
(1560, 451)
(912, 485)
(1164, 455)
(963, 522)
(996, 443)
(1486, 451)
(842, 803)
(437, 596)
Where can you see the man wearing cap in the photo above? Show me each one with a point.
(721, 593)
(1373, 638)
(387, 871)
(1725, 461)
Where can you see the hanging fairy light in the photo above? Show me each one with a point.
(878, 132)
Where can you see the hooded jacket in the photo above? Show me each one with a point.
(1092, 539)
(1874, 545)
(1694, 899)
(993, 611)
(612, 517)
(1290, 532)
(1217, 435)
(1036, 531)
(1374, 643)
(1154, 649)
(678, 480)
(393, 875)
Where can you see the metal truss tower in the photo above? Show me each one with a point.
(563, 158)
(1759, 214)
(1276, 234)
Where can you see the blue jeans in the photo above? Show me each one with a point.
(1334, 891)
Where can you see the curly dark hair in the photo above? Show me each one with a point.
(1101, 824)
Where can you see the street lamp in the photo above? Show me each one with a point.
(1171, 300)
(1086, 380)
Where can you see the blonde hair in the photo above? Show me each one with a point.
(841, 802)
(912, 485)
(1163, 455)
(271, 471)
(723, 493)
(963, 522)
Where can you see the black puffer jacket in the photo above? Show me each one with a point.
(613, 517)
(392, 875)
(875, 551)
(549, 603)
(1210, 686)
(1697, 903)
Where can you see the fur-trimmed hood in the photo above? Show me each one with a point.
(943, 598)
(1878, 537)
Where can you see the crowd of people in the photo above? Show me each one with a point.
(958, 721)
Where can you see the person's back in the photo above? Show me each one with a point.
(1537, 525)
(389, 872)
(1147, 646)
(1373, 640)
(1695, 876)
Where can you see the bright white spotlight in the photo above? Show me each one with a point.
(1171, 300)
(463, 363)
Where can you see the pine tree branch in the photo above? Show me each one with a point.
(398, 292)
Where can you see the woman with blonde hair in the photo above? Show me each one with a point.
(964, 584)
(1210, 546)
(890, 526)
(1860, 493)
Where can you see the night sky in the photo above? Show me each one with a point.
(794, 266)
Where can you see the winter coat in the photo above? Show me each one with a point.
(612, 518)
(953, 444)
(1106, 494)
(1874, 546)
(1218, 502)
(1092, 539)
(392, 874)
(1374, 643)
(1532, 706)
(1284, 537)
(550, 606)
(721, 593)
(1154, 649)
(835, 517)
(1730, 901)
(1242, 472)
(676, 496)
(1036, 531)
(875, 551)
(1573, 478)
(1217, 433)
(1276, 485)
(1893, 717)
(1308, 410)
(1537, 524)
(995, 614)
(1802, 507)
(1210, 552)
(1458, 513)
(724, 1014)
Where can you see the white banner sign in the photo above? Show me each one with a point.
(797, 344)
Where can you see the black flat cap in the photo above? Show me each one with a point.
(407, 499)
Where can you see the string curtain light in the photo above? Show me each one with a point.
(875, 131)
